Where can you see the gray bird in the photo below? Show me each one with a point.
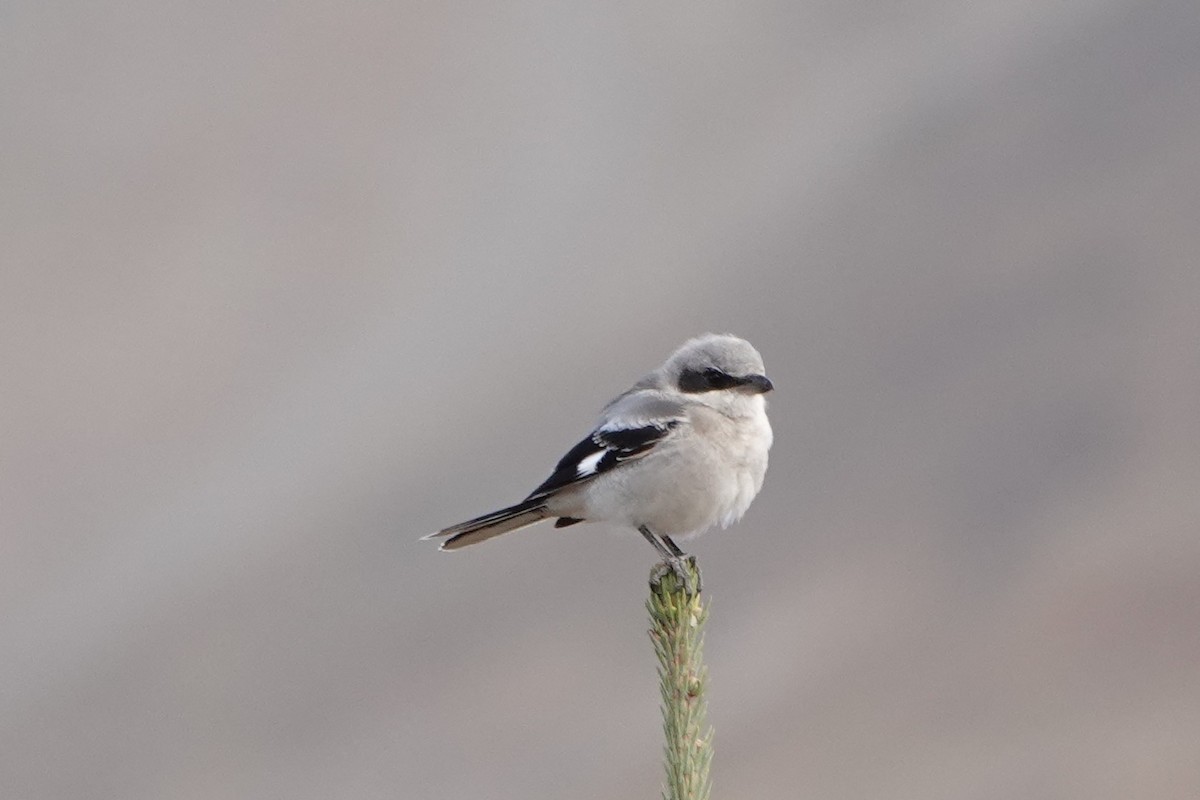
(683, 450)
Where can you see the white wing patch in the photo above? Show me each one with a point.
(588, 465)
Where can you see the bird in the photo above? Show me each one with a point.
(681, 451)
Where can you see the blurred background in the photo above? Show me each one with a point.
(286, 286)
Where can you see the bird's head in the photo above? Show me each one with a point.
(716, 367)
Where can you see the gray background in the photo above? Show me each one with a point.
(286, 286)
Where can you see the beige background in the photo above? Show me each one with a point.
(286, 286)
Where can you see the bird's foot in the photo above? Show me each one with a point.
(684, 569)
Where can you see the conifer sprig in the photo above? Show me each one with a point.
(677, 618)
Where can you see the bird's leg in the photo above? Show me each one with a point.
(658, 544)
(679, 556)
(674, 548)
(674, 559)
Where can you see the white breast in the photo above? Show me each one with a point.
(749, 470)
(706, 476)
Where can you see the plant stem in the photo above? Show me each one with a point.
(677, 619)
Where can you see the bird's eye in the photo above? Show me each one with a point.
(716, 379)
(711, 379)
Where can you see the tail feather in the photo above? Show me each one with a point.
(483, 528)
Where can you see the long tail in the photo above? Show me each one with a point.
(489, 525)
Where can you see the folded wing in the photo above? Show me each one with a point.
(632, 426)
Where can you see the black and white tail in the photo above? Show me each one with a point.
(483, 528)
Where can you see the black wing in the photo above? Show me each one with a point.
(605, 449)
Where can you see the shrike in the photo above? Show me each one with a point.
(682, 450)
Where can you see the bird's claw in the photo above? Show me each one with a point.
(682, 567)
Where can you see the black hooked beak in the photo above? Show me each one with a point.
(758, 384)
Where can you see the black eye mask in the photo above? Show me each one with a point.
(707, 380)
